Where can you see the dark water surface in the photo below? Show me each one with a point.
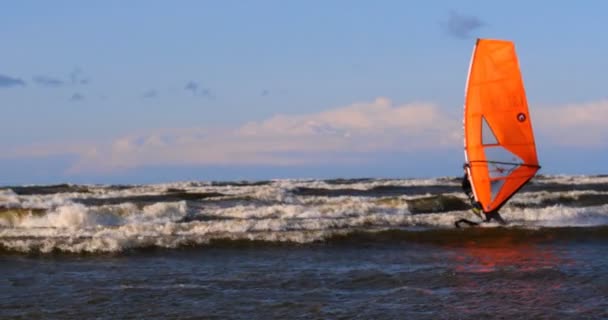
(473, 274)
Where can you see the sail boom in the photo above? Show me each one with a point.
(513, 163)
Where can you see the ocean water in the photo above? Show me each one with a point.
(302, 249)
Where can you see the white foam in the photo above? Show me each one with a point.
(69, 229)
(8, 198)
(69, 226)
(571, 179)
(364, 184)
(77, 216)
(558, 216)
(538, 197)
(78, 228)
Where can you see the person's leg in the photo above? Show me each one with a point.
(475, 206)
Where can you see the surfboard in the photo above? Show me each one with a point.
(499, 143)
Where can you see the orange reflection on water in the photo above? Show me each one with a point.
(507, 273)
(504, 252)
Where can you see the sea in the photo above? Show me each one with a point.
(302, 249)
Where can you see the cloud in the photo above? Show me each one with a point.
(78, 77)
(347, 134)
(197, 90)
(76, 97)
(338, 135)
(191, 86)
(581, 124)
(75, 77)
(46, 81)
(8, 81)
(460, 25)
(150, 94)
(353, 134)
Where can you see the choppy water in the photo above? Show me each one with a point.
(310, 249)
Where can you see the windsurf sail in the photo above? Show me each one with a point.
(498, 138)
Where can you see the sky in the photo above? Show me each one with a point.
(157, 91)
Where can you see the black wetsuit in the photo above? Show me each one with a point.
(466, 184)
(468, 190)
(466, 187)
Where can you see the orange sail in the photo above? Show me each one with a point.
(498, 138)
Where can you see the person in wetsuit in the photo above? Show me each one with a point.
(476, 206)
(466, 187)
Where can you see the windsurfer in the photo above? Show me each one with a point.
(476, 206)
(466, 187)
(499, 144)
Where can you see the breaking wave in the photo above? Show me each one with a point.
(108, 218)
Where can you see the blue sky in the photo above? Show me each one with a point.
(149, 91)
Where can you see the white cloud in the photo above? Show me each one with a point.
(346, 134)
(349, 134)
(573, 125)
